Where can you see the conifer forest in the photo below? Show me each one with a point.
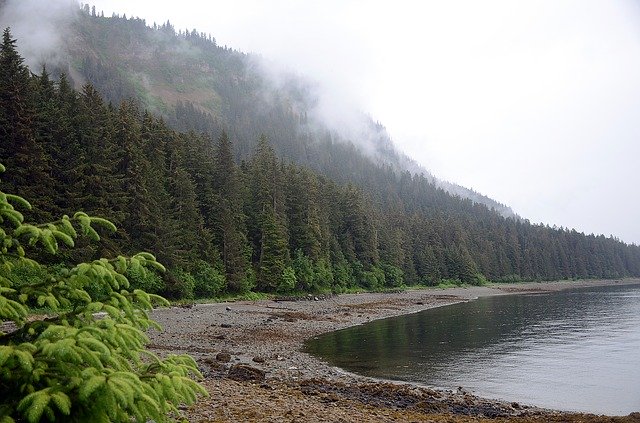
(238, 193)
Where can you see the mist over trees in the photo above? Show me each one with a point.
(245, 199)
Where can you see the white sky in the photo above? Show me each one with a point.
(533, 103)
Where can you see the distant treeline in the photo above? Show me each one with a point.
(223, 226)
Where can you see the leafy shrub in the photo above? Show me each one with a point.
(342, 276)
(479, 280)
(180, 284)
(145, 279)
(208, 281)
(374, 278)
(248, 282)
(449, 283)
(393, 276)
(72, 366)
(288, 280)
(323, 275)
(512, 278)
(304, 272)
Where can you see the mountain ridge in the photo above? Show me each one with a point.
(158, 66)
(225, 213)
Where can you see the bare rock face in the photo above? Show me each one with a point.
(242, 373)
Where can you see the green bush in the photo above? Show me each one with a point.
(180, 284)
(393, 276)
(304, 272)
(288, 280)
(323, 275)
(374, 278)
(479, 280)
(342, 277)
(248, 282)
(145, 279)
(449, 283)
(512, 278)
(208, 281)
(72, 366)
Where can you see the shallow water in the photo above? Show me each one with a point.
(573, 350)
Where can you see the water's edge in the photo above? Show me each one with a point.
(492, 290)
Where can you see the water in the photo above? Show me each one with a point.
(575, 350)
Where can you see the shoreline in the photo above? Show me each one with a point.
(286, 384)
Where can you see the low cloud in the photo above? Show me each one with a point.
(39, 28)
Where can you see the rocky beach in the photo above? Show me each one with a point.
(251, 354)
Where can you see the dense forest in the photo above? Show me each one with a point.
(195, 84)
(227, 222)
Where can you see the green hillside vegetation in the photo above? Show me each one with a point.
(69, 365)
(194, 84)
(227, 223)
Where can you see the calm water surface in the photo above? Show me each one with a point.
(573, 350)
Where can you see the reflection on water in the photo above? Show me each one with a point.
(573, 350)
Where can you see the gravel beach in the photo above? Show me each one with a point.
(250, 353)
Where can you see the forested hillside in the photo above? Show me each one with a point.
(194, 84)
(256, 221)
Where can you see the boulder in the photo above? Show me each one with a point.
(224, 357)
(242, 373)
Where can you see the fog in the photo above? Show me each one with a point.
(40, 28)
(532, 103)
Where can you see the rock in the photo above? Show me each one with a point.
(219, 337)
(225, 325)
(224, 357)
(228, 308)
(242, 372)
(258, 359)
(515, 405)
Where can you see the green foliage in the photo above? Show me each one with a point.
(323, 275)
(209, 281)
(509, 279)
(304, 272)
(241, 197)
(449, 283)
(478, 279)
(374, 278)
(392, 275)
(73, 366)
(343, 277)
(145, 279)
(180, 284)
(287, 281)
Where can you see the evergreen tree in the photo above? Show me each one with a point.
(72, 366)
(266, 217)
(228, 217)
(18, 146)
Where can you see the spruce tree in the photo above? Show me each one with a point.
(18, 146)
(229, 232)
(267, 220)
(73, 366)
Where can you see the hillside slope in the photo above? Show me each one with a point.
(227, 225)
(195, 84)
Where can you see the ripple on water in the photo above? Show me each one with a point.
(575, 350)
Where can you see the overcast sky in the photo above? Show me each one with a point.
(533, 103)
